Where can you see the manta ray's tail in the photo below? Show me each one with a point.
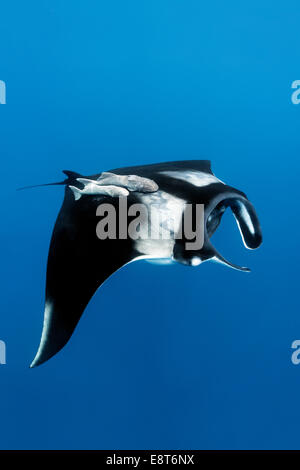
(71, 177)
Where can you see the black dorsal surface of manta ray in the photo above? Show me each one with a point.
(79, 262)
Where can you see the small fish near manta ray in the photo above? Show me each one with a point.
(113, 185)
(72, 280)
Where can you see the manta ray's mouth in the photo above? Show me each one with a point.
(214, 218)
(247, 222)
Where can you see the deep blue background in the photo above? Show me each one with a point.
(164, 357)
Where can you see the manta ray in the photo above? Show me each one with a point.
(79, 262)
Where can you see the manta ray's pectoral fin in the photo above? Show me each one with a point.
(78, 263)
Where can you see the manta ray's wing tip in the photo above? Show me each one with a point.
(35, 362)
(38, 360)
(44, 353)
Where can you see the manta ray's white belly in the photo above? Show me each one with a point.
(168, 209)
(157, 238)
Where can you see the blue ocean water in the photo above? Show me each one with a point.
(164, 357)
